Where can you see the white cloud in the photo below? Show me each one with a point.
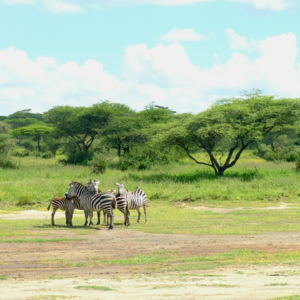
(62, 6)
(11, 2)
(42, 83)
(76, 6)
(163, 74)
(238, 42)
(272, 5)
(182, 35)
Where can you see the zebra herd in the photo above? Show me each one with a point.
(89, 198)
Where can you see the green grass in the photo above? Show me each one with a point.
(56, 277)
(295, 297)
(171, 261)
(181, 220)
(163, 287)
(19, 229)
(93, 287)
(216, 285)
(252, 182)
(277, 284)
(161, 262)
(3, 277)
(165, 219)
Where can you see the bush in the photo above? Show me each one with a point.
(146, 158)
(21, 153)
(99, 163)
(36, 154)
(6, 163)
(47, 154)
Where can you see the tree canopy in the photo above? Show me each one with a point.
(83, 124)
(227, 128)
(36, 131)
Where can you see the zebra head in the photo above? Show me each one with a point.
(92, 186)
(121, 188)
(72, 190)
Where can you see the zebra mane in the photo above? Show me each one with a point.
(80, 184)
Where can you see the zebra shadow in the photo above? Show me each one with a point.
(74, 227)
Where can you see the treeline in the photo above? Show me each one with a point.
(113, 135)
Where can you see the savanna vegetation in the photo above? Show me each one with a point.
(242, 152)
(239, 150)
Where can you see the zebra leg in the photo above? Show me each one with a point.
(145, 212)
(139, 212)
(105, 218)
(52, 216)
(70, 215)
(127, 222)
(111, 216)
(91, 217)
(86, 214)
(66, 217)
(98, 214)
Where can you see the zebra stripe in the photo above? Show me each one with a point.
(64, 204)
(103, 201)
(134, 200)
(70, 204)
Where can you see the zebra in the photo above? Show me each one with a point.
(133, 200)
(70, 203)
(105, 201)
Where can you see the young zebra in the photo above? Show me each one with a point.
(69, 204)
(102, 201)
(133, 200)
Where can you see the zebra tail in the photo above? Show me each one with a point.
(113, 203)
(49, 205)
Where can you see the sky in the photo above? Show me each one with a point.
(183, 54)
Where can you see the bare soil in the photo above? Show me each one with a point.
(28, 267)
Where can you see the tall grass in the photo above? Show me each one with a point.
(252, 180)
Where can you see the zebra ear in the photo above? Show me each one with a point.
(97, 181)
(125, 183)
(91, 181)
(117, 184)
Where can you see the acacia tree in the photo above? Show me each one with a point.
(227, 128)
(36, 131)
(6, 144)
(83, 124)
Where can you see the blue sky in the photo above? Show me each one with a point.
(183, 54)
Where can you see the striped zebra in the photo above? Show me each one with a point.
(133, 200)
(105, 201)
(69, 204)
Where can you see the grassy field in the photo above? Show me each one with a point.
(252, 182)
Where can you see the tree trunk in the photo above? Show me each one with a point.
(119, 150)
(39, 147)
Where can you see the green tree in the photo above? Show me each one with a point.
(229, 127)
(83, 124)
(6, 144)
(20, 122)
(24, 114)
(35, 131)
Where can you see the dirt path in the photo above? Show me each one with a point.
(258, 283)
(31, 215)
(30, 267)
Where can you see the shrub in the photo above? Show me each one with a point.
(21, 153)
(99, 163)
(146, 158)
(47, 154)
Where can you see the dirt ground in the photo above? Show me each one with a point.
(31, 268)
